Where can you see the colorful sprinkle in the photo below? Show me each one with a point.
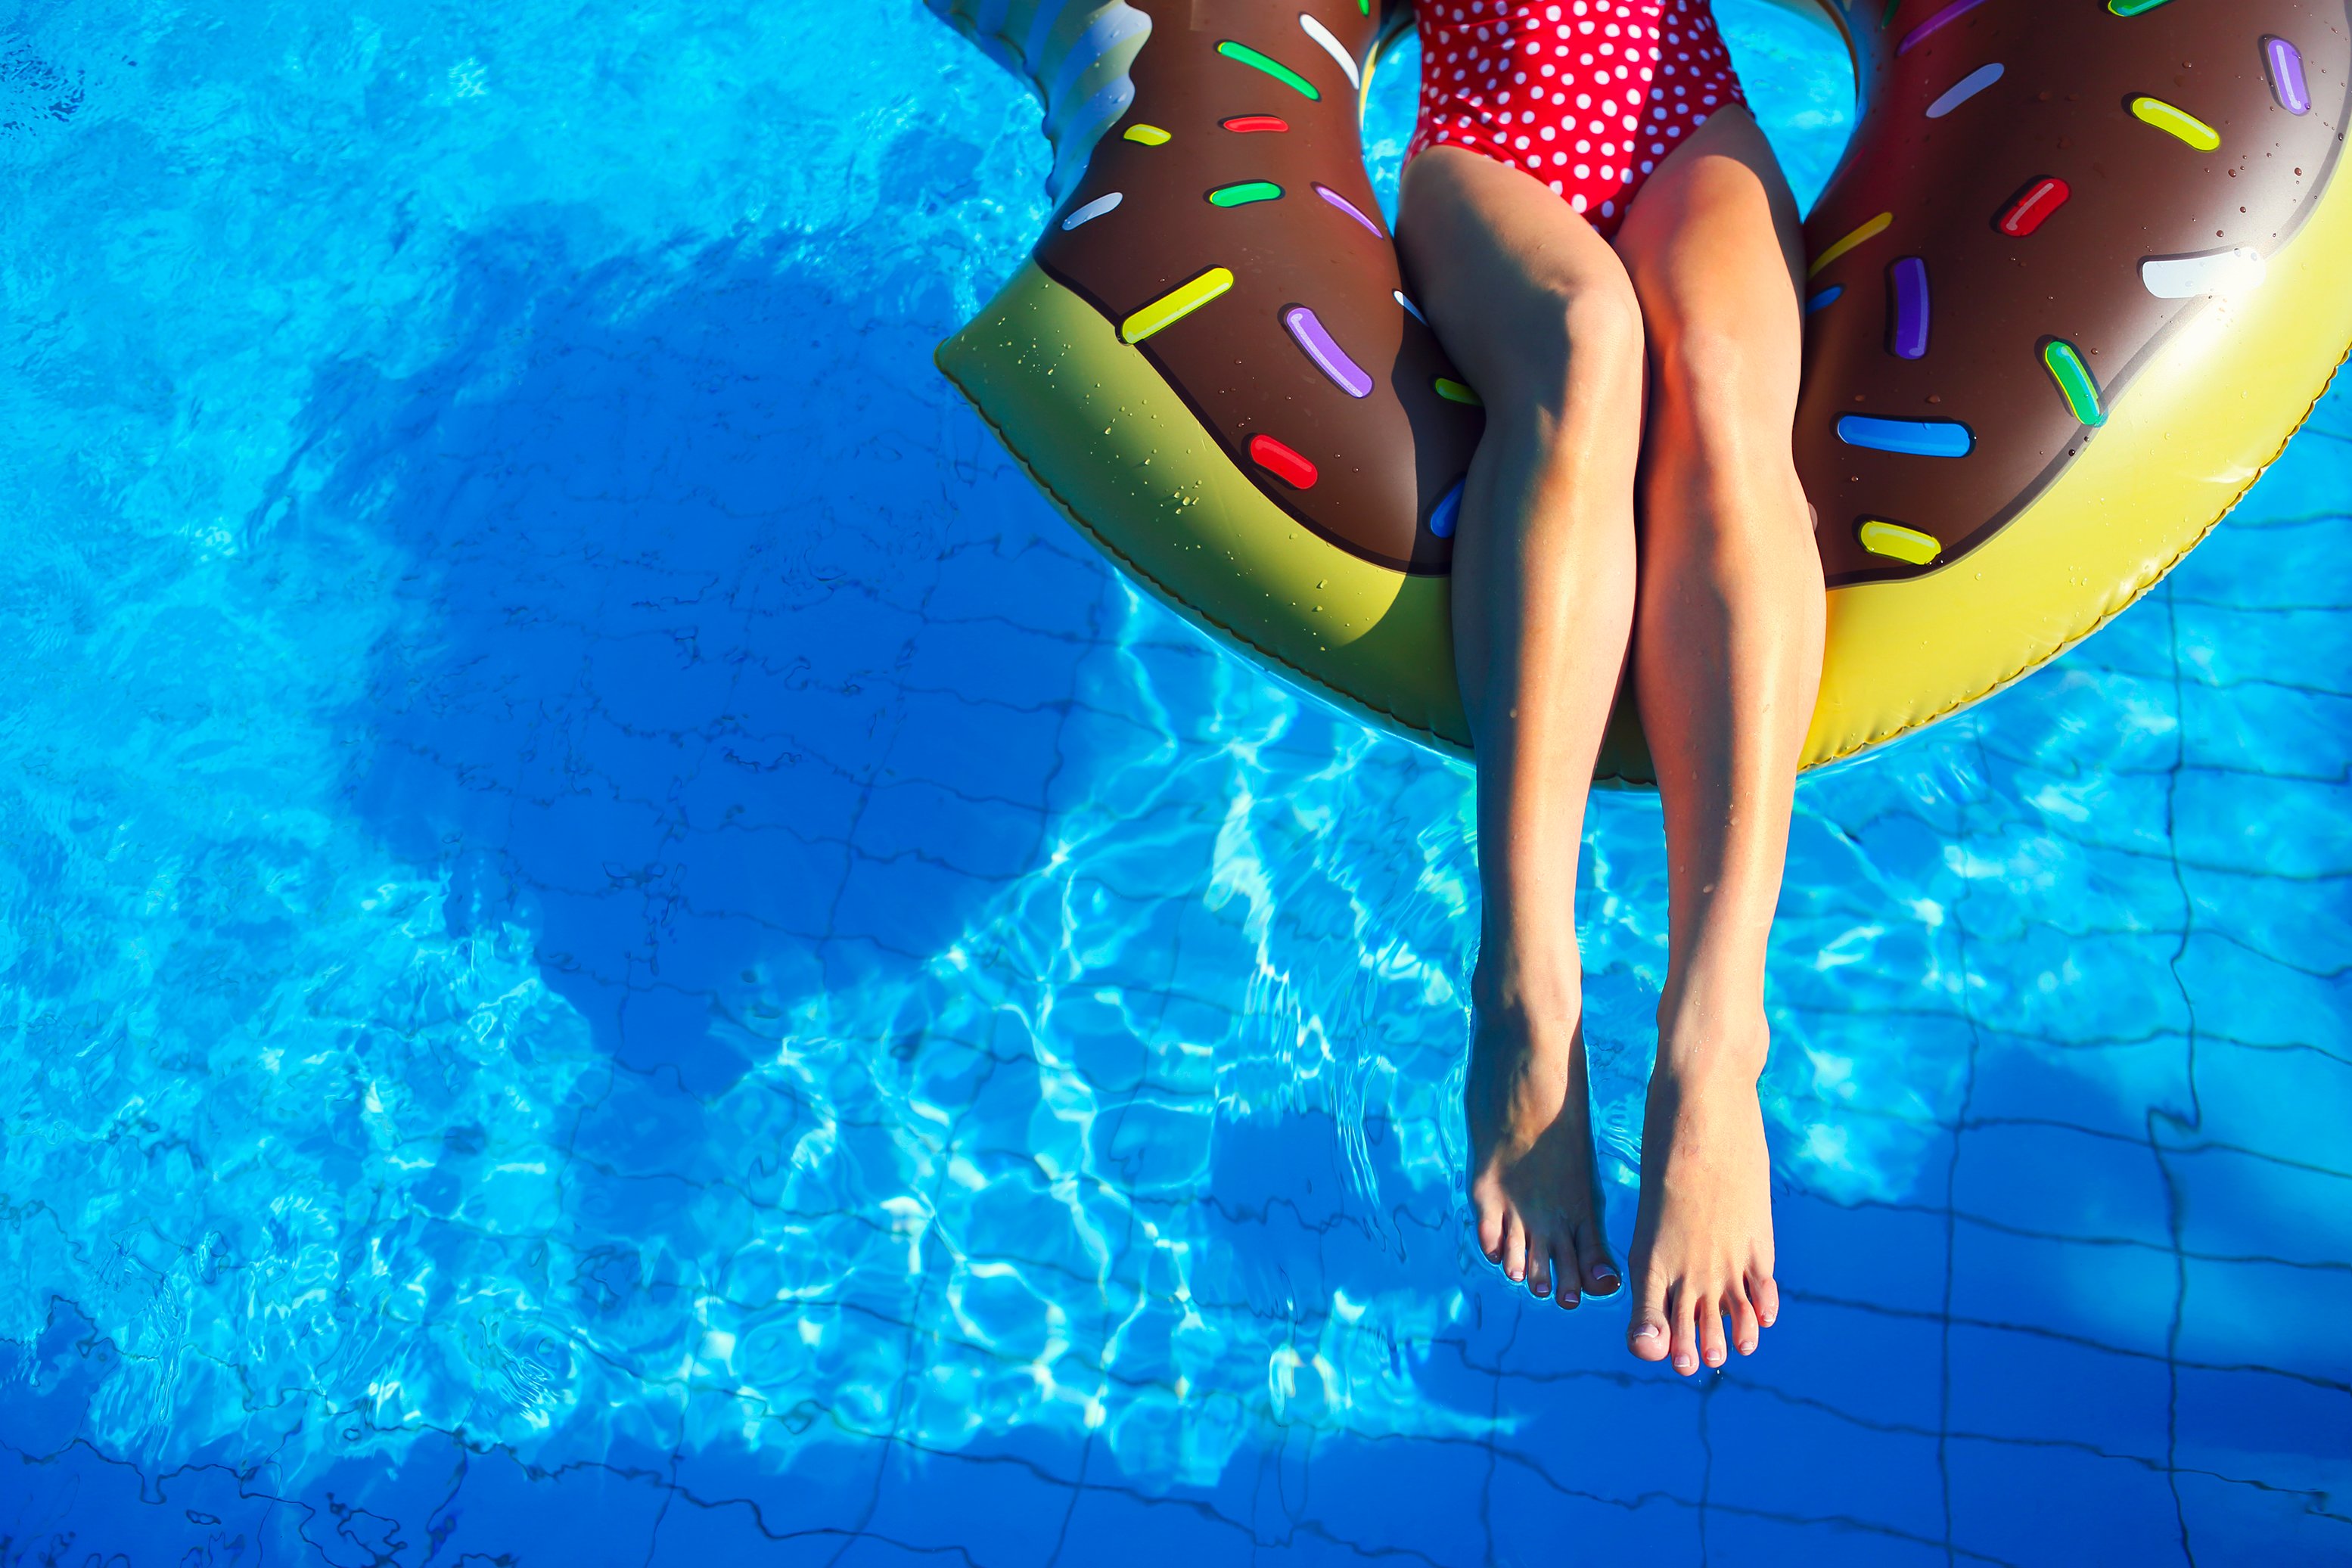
(2239, 271)
(2287, 83)
(1270, 66)
(1329, 358)
(1409, 308)
(2074, 383)
(1825, 298)
(1862, 235)
(2176, 121)
(1332, 47)
(2134, 8)
(1906, 313)
(1453, 391)
(1245, 124)
(1243, 194)
(1290, 468)
(1909, 437)
(1447, 512)
(1966, 88)
(1952, 13)
(1176, 304)
(1150, 135)
(1899, 543)
(1092, 209)
(2032, 210)
(1349, 207)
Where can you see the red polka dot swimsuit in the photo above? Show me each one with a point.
(1588, 95)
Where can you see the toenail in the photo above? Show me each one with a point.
(1647, 1330)
(1605, 1284)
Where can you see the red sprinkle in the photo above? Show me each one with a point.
(1281, 462)
(1247, 122)
(2032, 210)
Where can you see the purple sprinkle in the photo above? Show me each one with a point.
(1447, 512)
(1349, 207)
(1328, 357)
(1907, 333)
(1952, 13)
(2287, 75)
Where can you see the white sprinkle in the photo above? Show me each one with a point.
(1093, 210)
(1331, 46)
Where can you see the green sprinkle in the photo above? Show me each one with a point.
(1272, 67)
(1246, 193)
(1892, 6)
(1453, 391)
(2134, 8)
(1363, 8)
(2074, 383)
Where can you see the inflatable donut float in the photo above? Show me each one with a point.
(2082, 274)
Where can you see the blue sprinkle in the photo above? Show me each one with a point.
(1449, 508)
(1912, 437)
(1825, 298)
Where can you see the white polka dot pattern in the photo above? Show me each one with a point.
(1588, 95)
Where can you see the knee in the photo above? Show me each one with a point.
(1583, 342)
(1716, 381)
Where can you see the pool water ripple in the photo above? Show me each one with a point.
(621, 948)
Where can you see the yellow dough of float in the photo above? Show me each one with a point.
(1129, 464)
(2202, 423)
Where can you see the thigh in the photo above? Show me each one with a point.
(1508, 274)
(1717, 257)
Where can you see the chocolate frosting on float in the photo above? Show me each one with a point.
(2135, 188)
(1272, 364)
(1978, 300)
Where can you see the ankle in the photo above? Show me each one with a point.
(1713, 1032)
(1508, 986)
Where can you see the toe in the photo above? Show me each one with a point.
(1538, 1265)
(1650, 1333)
(1711, 1348)
(1743, 1323)
(1515, 1246)
(1564, 1287)
(1766, 1297)
(1490, 1225)
(1685, 1333)
(1596, 1268)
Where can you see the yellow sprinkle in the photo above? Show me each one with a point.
(1862, 235)
(2179, 121)
(1176, 304)
(1150, 135)
(1455, 391)
(1901, 543)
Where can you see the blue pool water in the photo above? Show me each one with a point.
(618, 948)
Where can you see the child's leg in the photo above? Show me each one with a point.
(1728, 654)
(1537, 312)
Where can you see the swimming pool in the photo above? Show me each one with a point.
(619, 948)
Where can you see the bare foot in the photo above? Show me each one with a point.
(1531, 1171)
(1703, 1243)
